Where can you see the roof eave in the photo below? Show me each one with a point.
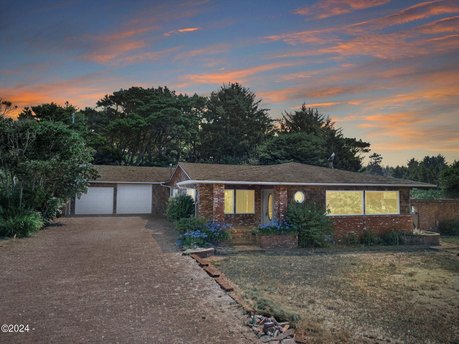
(242, 182)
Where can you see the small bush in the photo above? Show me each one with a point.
(194, 239)
(313, 226)
(449, 227)
(217, 232)
(275, 228)
(179, 207)
(392, 238)
(21, 225)
(370, 238)
(189, 224)
(198, 232)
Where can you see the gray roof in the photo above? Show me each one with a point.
(288, 173)
(132, 174)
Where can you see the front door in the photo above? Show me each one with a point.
(267, 206)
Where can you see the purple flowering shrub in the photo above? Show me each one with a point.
(198, 232)
(275, 228)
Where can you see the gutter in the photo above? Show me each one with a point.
(188, 182)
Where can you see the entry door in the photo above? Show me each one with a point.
(267, 206)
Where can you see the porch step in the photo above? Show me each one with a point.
(243, 238)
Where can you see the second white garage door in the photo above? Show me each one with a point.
(133, 199)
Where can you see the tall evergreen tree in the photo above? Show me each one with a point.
(308, 121)
(233, 125)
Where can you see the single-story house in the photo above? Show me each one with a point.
(249, 195)
(124, 190)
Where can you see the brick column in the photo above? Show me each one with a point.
(218, 205)
(280, 202)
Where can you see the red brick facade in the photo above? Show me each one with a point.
(210, 205)
(429, 213)
(377, 223)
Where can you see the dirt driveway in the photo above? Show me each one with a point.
(113, 280)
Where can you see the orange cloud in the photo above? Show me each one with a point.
(413, 13)
(82, 91)
(445, 25)
(239, 75)
(330, 8)
(109, 52)
(182, 30)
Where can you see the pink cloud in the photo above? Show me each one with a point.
(329, 8)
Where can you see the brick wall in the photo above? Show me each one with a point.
(429, 213)
(204, 201)
(160, 195)
(377, 223)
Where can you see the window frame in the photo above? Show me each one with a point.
(376, 214)
(234, 191)
(362, 192)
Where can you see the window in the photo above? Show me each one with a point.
(299, 197)
(191, 193)
(344, 202)
(381, 202)
(270, 206)
(229, 201)
(239, 201)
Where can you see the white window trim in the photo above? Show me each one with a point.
(234, 202)
(398, 203)
(362, 198)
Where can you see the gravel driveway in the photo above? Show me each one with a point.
(113, 280)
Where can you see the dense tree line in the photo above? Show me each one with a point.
(158, 127)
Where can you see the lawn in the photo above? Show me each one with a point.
(355, 296)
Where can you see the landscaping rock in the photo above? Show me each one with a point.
(269, 330)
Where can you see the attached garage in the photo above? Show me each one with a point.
(124, 190)
(133, 199)
(98, 200)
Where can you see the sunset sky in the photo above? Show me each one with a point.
(386, 71)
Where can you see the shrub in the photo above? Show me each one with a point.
(179, 207)
(189, 224)
(449, 227)
(313, 226)
(21, 224)
(370, 238)
(198, 232)
(392, 238)
(194, 238)
(275, 228)
(217, 232)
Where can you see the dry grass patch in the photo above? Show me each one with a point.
(355, 297)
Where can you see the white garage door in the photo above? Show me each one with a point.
(133, 199)
(95, 201)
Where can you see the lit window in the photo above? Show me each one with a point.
(344, 202)
(191, 193)
(239, 201)
(299, 197)
(381, 202)
(270, 207)
(245, 201)
(229, 201)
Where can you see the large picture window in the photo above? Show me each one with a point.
(344, 202)
(381, 202)
(239, 201)
(352, 202)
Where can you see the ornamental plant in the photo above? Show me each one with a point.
(199, 232)
(276, 228)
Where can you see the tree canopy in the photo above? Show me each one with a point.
(233, 125)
